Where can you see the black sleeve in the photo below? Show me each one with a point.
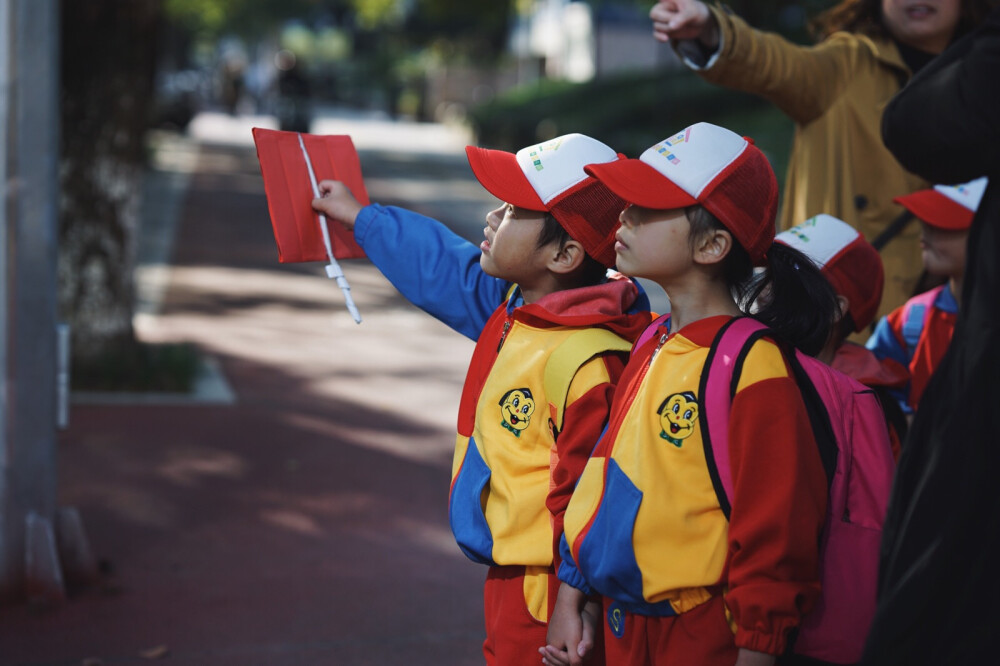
(942, 125)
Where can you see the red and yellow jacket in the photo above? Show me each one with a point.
(645, 526)
(516, 458)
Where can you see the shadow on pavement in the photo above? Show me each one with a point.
(306, 523)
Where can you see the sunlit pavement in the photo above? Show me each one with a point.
(303, 519)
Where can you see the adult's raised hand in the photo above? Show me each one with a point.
(684, 19)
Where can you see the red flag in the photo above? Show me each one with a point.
(290, 194)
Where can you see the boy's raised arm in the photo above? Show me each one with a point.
(434, 268)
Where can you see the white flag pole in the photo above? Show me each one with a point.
(333, 268)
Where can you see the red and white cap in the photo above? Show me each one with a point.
(851, 264)
(708, 165)
(549, 177)
(949, 207)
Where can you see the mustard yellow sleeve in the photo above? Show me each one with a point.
(802, 81)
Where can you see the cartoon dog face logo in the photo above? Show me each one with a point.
(516, 408)
(678, 415)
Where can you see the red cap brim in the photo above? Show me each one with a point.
(640, 184)
(937, 210)
(501, 175)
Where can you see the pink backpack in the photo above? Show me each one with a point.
(853, 441)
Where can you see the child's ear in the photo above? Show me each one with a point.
(713, 246)
(843, 305)
(567, 258)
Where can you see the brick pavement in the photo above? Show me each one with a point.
(304, 520)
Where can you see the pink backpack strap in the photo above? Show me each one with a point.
(730, 346)
(650, 331)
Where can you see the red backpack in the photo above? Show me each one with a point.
(853, 440)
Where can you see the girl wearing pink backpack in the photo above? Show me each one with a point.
(699, 561)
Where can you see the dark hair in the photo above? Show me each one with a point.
(865, 17)
(591, 271)
(792, 297)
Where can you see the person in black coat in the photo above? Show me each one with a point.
(939, 597)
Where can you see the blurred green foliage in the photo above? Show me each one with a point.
(629, 112)
(477, 28)
(140, 367)
(249, 18)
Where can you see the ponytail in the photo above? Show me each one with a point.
(793, 298)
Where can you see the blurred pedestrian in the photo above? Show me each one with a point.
(294, 92)
(938, 585)
(233, 71)
(835, 92)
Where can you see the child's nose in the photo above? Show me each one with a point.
(624, 217)
(494, 217)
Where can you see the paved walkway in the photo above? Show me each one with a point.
(297, 514)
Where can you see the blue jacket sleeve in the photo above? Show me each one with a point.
(884, 344)
(434, 268)
(568, 573)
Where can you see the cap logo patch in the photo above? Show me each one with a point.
(535, 153)
(799, 233)
(555, 166)
(820, 238)
(967, 195)
(666, 145)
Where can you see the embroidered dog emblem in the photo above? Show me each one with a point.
(516, 408)
(678, 415)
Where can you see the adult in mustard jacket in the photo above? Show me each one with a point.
(835, 91)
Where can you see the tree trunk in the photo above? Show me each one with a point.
(108, 64)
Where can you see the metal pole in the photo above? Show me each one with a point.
(6, 90)
(29, 155)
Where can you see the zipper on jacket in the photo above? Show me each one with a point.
(663, 338)
(636, 383)
(503, 336)
(633, 392)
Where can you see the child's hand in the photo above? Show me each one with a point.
(750, 658)
(684, 19)
(571, 628)
(337, 203)
(553, 657)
